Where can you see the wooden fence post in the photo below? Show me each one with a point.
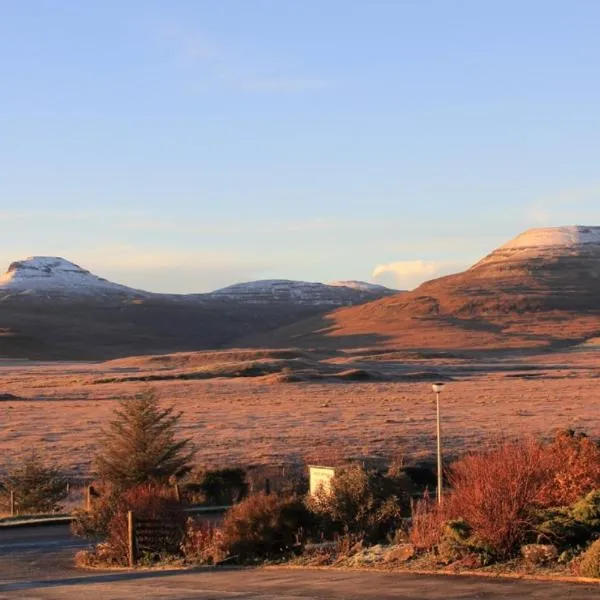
(131, 538)
(88, 497)
(12, 503)
(267, 486)
(177, 492)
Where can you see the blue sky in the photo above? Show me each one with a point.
(186, 145)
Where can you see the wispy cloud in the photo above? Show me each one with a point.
(196, 52)
(408, 274)
(171, 270)
(575, 206)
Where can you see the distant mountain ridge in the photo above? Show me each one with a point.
(51, 308)
(303, 292)
(59, 278)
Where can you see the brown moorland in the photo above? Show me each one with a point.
(298, 409)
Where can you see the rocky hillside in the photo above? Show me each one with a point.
(541, 289)
(55, 276)
(342, 293)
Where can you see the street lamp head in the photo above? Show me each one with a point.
(437, 387)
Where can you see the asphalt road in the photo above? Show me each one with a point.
(36, 564)
(32, 553)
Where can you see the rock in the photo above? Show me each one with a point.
(367, 556)
(539, 554)
(400, 553)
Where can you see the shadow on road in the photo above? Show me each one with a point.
(111, 577)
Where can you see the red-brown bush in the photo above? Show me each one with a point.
(574, 461)
(427, 523)
(263, 526)
(149, 503)
(497, 491)
(203, 543)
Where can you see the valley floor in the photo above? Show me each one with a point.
(61, 411)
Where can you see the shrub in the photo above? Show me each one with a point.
(587, 510)
(265, 526)
(38, 487)
(93, 524)
(518, 490)
(203, 543)
(140, 444)
(495, 492)
(573, 460)
(221, 487)
(459, 543)
(427, 523)
(573, 526)
(361, 501)
(589, 564)
(150, 503)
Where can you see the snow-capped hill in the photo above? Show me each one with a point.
(296, 292)
(363, 286)
(575, 235)
(547, 244)
(52, 275)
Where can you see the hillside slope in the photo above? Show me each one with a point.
(542, 289)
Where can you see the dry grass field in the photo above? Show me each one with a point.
(272, 407)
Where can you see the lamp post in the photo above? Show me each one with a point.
(437, 388)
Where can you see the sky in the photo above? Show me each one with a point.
(186, 145)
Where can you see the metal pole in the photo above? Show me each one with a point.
(439, 451)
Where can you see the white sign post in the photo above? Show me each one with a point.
(320, 478)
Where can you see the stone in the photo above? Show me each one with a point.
(400, 553)
(539, 554)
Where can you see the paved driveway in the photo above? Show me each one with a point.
(37, 564)
(292, 584)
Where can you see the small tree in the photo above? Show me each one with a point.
(140, 445)
(37, 487)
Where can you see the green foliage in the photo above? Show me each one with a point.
(140, 444)
(38, 487)
(572, 526)
(265, 526)
(458, 541)
(587, 510)
(361, 501)
(589, 565)
(221, 487)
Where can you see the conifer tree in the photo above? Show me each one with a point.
(140, 444)
(37, 487)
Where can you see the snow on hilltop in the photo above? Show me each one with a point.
(54, 275)
(363, 286)
(575, 235)
(546, 244)
(300, 292)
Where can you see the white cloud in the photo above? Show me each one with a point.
(408, 274)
